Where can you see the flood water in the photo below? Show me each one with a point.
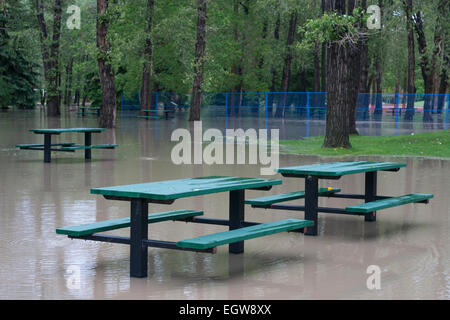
(410, 244)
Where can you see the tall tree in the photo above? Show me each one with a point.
(50, 54)
(107, 117)
(273, 86)
(199, 62)
(17, 77)
(286, 78)
(355, 70)
(364, 86)
(408, 7)
(430, 67)
(146, 90)
(338, 107)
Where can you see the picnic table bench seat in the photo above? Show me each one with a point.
(96, 227)
(26, 146)
(389, 203)
(272, 199)
(97, 146)
(246, 233)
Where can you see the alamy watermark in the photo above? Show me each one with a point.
(221, 148)
(74, 20)
(374, 20)
(73, 281)
(374, 280)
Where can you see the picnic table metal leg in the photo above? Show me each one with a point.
(311, 203)
(87, 142)
(138, 232)
(47, 147)
(236, 217)
(370, 193)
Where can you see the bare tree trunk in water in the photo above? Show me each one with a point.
(408, 6)
(53, 94)
(107, 117)
(364, 86)
(316, 98)
(355, 65)
(276, 36)
(285, 80)
(425, 66)
(338, 111)
(68, 93)
(200, 47)
(146, 98)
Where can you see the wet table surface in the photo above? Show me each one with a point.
(337, 169)
(174, 189)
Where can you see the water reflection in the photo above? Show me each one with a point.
(409, 243)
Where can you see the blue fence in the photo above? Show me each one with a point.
(379, 107)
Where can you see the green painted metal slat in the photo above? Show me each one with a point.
(41, 145)
(58, 131)
(101, 226)
(97, 146)
(175, 189)
(260, 230)
(336, 169)
(265, 201)
(388, 203)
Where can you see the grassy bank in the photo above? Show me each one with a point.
(431, 144)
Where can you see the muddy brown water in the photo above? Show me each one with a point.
(410, 244)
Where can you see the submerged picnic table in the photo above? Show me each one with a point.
(335, 170)
(87, 110)
(153, 114)
(166, 192)
(47, 146)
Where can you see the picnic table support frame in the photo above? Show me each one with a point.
(47, 147)
(236, 217)
(87, 143)
(311, 203)
(370, 193)
(138, 233)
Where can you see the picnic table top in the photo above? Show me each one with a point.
(337, 169)
(62, 130)
(175, 189)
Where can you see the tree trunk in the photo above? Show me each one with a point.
(199, 63)
(53, 90)
(43, 36)
(408, 6)
(285, 80)
(146, 98)
(276, 36)
(355, 70)
(425, 66)
(68, 93)
(236, 69)
(323, 84)
(338, 111)
(107, 117)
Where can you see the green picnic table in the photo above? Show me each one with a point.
(153, 114)
(335, 170)
(166, 192)
(88, 110)
(47, 146)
